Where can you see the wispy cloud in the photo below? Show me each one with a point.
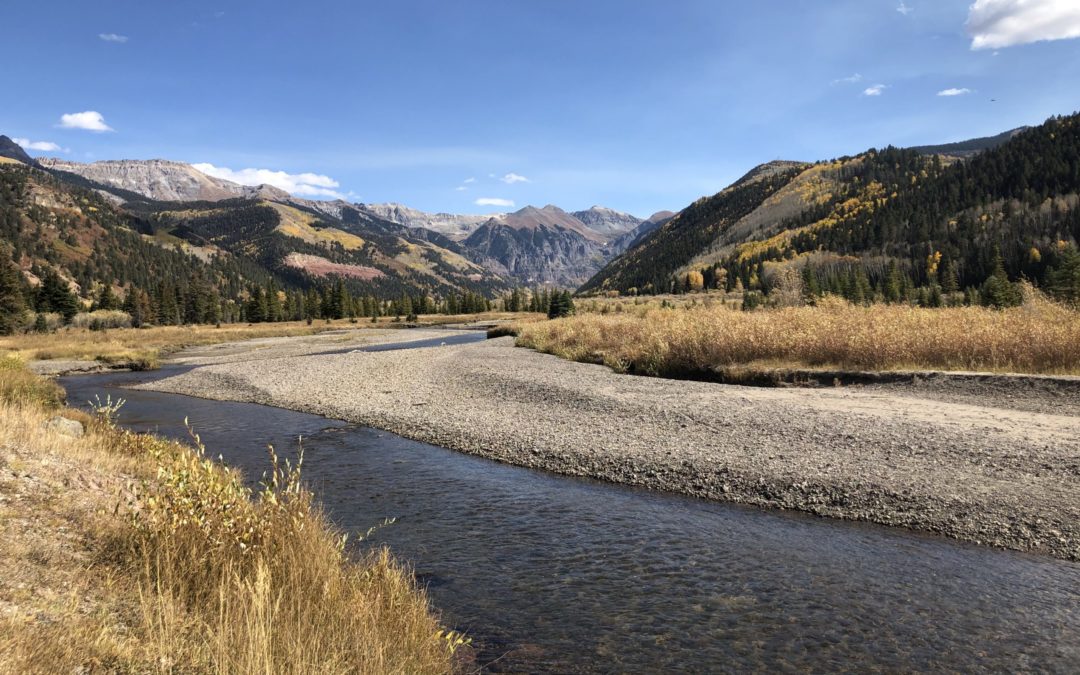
(851, 79)
(995, 24)
(113, 37)
(469, 180)
(41, 146)
(90, 120)
(494, 201)
(461, 188)
(954, 92)
(299, 184)
(904, 9)
(512, 178)
(876, 90)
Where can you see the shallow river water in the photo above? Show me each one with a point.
(554, 574)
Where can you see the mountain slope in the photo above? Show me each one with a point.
(162, 180)
(48, 226)
(896, 219)
(304, 245)
(643, 230)
(57, 223)
(11, 150)
(649, 266)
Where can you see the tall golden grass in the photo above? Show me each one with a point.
(190, 570)
(1038, 337)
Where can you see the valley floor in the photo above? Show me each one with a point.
(996, 462)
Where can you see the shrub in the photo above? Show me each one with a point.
(102, 319)
(47, 322)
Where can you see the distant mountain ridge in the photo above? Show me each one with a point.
(162, 180)
(970, 147)
(454, 226)
(533, 245)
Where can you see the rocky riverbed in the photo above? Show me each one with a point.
(977, 468)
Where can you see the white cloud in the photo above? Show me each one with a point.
(90, 120)
(993, 24)
(512, 178)
(113, 37)
(954, 92)
(298, 184)
(43, 146)
(853, 79)
(493, 201)
(876, 90)
(904, 9)
(461, 188)
(469, 180)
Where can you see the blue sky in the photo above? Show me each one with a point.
(640, 106)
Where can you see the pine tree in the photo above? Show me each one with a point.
(106, 299)
(1063, 280)
(998, 291)
(54, 295)
(256, 306)
(12, 305)
(894, 283)
(561, 304)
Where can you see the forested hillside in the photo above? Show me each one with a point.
(66, 247)
(649, 266)
(888, 223)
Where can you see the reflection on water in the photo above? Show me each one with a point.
(551, 574)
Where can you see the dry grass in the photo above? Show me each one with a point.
(21, 387)
(146, 345)
(142, 348)
(1039, 337)
(127, 553)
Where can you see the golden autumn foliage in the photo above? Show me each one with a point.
(126, 553)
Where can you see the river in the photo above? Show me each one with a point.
(556, 574)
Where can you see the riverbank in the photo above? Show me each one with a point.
(124, 552)
(982, 470)
(81, 351)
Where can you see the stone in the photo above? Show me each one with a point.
(66, 427)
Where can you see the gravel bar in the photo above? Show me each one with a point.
(976, 468)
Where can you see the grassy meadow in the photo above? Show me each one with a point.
(659, 337)
(124, 552)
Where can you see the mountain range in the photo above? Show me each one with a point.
(1015, 193)
(530, 246)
